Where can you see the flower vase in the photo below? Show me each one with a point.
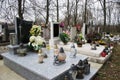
(65, 43)
(61, 55)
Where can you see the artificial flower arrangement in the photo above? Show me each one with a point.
(65, 36)
(35, 40)
(62, 24)
(78, 39)
(35, 30)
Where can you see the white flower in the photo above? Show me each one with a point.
(29, 43)
(32, 38)
(39, 40)
(34, 44)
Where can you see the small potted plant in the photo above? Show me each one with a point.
(78, 41)
(65, 38)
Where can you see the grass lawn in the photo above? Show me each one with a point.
(111, 69)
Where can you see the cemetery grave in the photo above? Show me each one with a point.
(24, 63)
(60, 40)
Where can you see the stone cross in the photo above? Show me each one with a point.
(51, 41)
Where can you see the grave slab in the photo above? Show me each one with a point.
(29, 67)
(94, 55)
(85, 49)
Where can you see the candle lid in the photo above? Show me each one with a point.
(61, 50)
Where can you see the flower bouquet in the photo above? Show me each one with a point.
(35, 30)
(78, 40)
(65, 37)
(62, 24)
(35, 40)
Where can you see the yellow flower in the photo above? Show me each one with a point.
(35, 30)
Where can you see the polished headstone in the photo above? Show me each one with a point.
(29, 67)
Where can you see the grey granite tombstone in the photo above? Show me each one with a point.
(29, 67)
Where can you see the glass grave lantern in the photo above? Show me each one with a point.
(86, 67)
(60, 58)
(56, 50)
(40, 56)
(44, 50)
(93, 45)
(13, 39)
(80, 70)
(73, 51)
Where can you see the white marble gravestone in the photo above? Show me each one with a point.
(94, 55)
(51, 41)
(98, 29)
(55, 30)
(73, 32)
(83, 30)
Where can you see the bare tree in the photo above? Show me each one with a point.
(104, 9)
(21, 6)
(47, 11)
(85, 11)
(76, 12)
(103, 4)
(57, 11)
(68, 13)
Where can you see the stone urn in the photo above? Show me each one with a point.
(61, 55)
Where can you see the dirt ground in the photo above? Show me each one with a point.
(111, 69)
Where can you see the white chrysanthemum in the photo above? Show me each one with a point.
(34, 44)
(38, 40)
(32, 38)
(38, 37)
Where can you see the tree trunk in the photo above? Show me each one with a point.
(104, 4)
(85, 11)
(57, 11)
(109, 16)
(20, 9)
(68, 14)
(76, 9)
(47, 14)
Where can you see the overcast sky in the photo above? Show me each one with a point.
(93, 7)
